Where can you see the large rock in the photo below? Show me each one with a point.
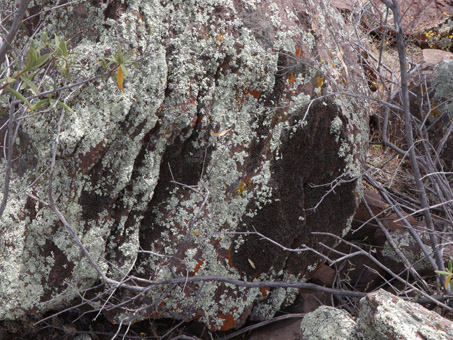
(382, 316)
(409, 247)
(220, 103)
(327, 323)
(387, 317)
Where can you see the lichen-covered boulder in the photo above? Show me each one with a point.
(409, 247)
(382, 316)
(327, 323)
(217, 134)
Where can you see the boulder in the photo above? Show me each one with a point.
(411, 250)
(434, 79)
(216, 134)
(286, 329)
(363, 225)
(431, 58)
(327, 323)
(345, 5)
(382, 316)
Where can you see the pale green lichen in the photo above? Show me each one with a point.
(94, 123)
(327, 323)
(335, 127)
(386, 316)
(405, 244)
(110, 119)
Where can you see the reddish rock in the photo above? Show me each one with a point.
(363, 225)
(323, 276)
(431, 58)
(286, 329)
(344, 5)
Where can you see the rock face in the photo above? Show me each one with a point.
(214, 134)
(382, 316)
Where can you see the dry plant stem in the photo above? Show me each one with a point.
(124, 279)
(184, 337)
(385, 140)
(390, 272)
(262, 324)
(83, 303)
(172, 330)
(401, 46)
(397, 211)
(9, 156)
(403, 258)
(437, 178)
(293, 250)
(6, 44)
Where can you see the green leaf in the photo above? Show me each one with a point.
(30, 59)
(112, 59)
(19, 96)
(120, 53)
(63, 105)
(30, 84)
(57, 41)
(45, 38)
(41, 61)
(40, 104)
(442, 272)
(63, 47)
(102, 62)
(450, 267)
(10, 80)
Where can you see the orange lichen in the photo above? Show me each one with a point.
(229, 321)
(264, 291)
(197, 267)
(298, 51)
(319, 81)
(157, 314)
(244, 185)
(241, 188)
(230, 261)
(254, 93)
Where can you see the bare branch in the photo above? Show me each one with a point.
(6, 44)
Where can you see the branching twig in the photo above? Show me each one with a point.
(6, 44)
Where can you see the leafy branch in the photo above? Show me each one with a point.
(448, 272)
(119, 62)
